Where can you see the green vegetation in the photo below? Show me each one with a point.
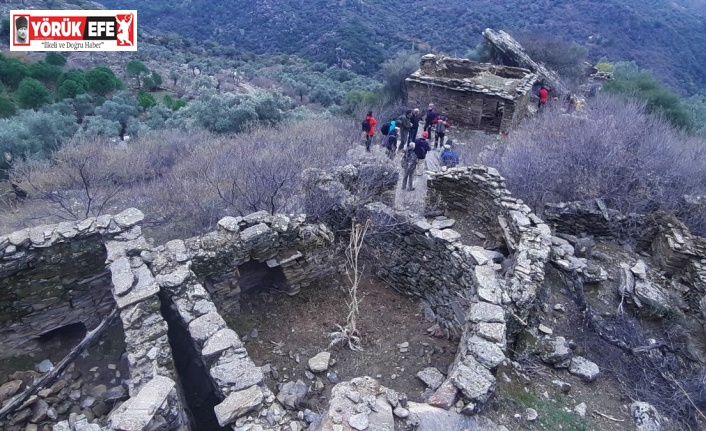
(551, 415)
(669, 39)
(31, 94)
(54, 58)
(102, 80)
(640, 84)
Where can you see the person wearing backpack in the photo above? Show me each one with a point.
(405, 125)
(409, 164)
(369, 129)
(441, 123)
(421, 148)
(449, 158)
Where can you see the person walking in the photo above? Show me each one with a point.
(421, 148)
(429, 120)
(409, 165)
(391, 143)
(369, 129)
(405, 124)
(440, 125)
(414, 119)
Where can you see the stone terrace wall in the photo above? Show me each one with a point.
(480, 190)
(277, 240)
(53, 276)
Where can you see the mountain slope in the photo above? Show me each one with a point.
(668, 37)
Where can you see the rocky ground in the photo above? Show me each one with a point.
(91, 385)
(283, 333)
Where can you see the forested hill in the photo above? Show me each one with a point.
(666, 36)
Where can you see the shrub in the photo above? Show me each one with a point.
(395, 72)
(31, 133)
(7, 108)
(101, 80)
(145, 100)
(617, 152)
(643, 86)
(31, 94)
(54, 58)
(44, 72)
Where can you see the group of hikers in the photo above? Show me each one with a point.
(399, 135)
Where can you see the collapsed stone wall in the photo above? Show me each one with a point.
(513, 54)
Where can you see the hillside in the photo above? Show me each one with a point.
(668, 37)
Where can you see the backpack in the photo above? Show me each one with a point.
(391, 141)
(385, 129)
(366, 125)
(441, 126)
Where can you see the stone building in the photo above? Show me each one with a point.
(476, 95)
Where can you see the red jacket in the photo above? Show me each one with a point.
(372, 122)
(543, 95)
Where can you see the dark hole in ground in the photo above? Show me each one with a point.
(258, 276)
(197, 385)
(74, 331)
(292, 329)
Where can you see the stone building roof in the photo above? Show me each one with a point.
(469, 76)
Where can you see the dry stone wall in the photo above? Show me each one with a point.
(53, 276)
(480, 191)
(460, 284)
(278, 240)
(78, 272)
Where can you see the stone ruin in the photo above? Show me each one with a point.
(509, 52)
(480, 96)
(172, 300)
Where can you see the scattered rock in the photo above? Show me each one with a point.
(9, 389)
(45, 366)
(359, 421)
(545, 329)
(580, 409)
(554, 350)
(401, 412)
(560, 308)
(584, 368)
(292, 394)
(430, 418)
(39, 411)
(431, 377)
(563, 386)
(531, 414)
(319, 363)
(646, 417)
(237, 404)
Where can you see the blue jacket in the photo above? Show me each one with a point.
(449, 158)
(421, 147)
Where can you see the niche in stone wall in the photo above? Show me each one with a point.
(254, 276)
(52, 288)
